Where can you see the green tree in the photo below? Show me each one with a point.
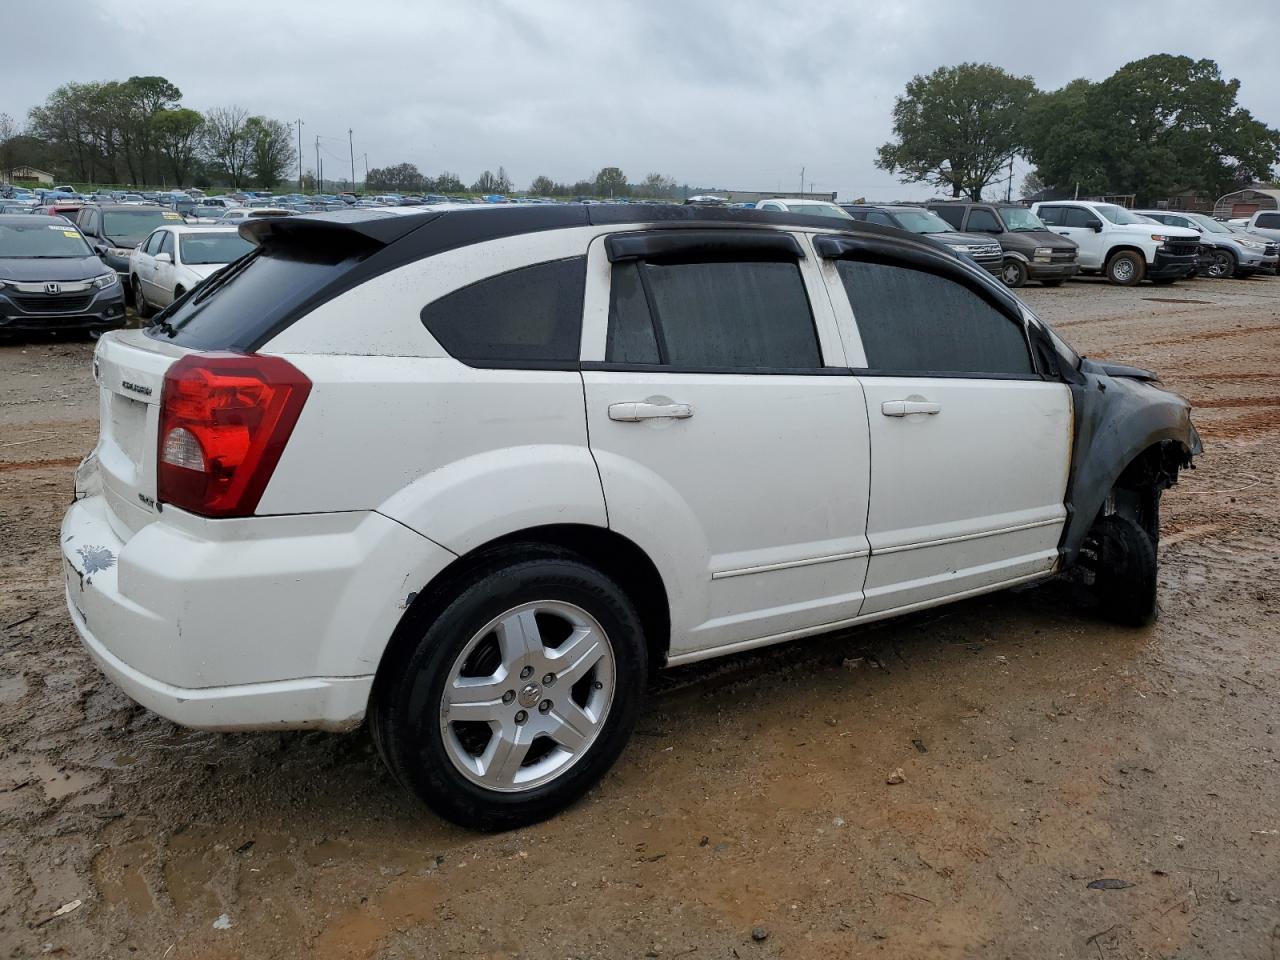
(611, 182)
(446, 182)
(486, 183)
(958, 127)
(273, 153)
(657, 185)
(542, 186)
(400, 178)
(228, 142)
(1156, 126)
(178, 134)
(9, 134)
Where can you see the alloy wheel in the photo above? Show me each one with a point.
(527, 696)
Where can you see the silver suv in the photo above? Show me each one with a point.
(1229, 254)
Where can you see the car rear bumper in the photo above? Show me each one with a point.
(102, 311)
(266, 623)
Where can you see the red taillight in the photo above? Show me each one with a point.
(224, 421)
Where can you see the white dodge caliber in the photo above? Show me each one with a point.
(469, 473)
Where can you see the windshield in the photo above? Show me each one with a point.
(203, 248)
(819, 210)
(1021, 220)
(921, 221)
(128, 227)
(42, 241)
(1210, 224)
(1118, 214)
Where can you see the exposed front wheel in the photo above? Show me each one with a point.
(1120, 559)
(1126, 269)
(1223, 265)
(510, 700)
(1013, 273)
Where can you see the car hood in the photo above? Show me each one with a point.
(961, 239)
(1044, 238)
(203, 270)
(36, 271)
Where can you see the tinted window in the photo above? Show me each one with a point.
(730, 314)
(983, 221)
(631, 335)
(911, 320)
(240, 307)
(875, 216)
(1052, 216)
(533, 314)
(1268, 220)
(1080, 217)
(952, 214)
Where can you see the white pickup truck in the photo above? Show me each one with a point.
(1126, 247)
(1265, 223)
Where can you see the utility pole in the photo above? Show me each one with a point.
(802, 183)
(299, 123)
(351, 145)
(1008, 190)
(317, 183)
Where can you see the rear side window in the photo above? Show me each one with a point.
(530, 316)
(953, 215)
(912, 321)
(1268, 220)
(1053, 216)
(240, 307)
(875, 216)
(717, 315)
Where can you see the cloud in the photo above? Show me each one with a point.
(737, 94)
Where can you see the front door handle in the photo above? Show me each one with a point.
(644, 410)
(904, 408)
(1063, 233)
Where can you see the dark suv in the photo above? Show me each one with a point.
(985, 253)
(1031, 250)
(114, 229)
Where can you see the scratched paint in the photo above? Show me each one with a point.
(96, 559)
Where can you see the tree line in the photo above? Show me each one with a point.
(1156, 127)
(606, 182)
(136, 131)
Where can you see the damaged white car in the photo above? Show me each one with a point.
(470, 474)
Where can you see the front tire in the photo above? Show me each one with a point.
(1126, 269)
(511, 697)
(1014, 273)
(140, 305)
(1122, 559)
(1223, 266)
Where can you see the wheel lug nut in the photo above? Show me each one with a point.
(521, 716)
(544, 706)
(508, 696)
(549, 679)
(597, 685)
(526, 673)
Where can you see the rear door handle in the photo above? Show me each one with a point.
(643, 410)
(904, 408)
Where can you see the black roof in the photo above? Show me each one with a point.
(428, 231)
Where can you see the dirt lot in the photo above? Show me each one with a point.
(1042, 750)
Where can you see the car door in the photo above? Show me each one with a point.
(730, 437)
(1082, 225)
(160, 292)
(970, 446)
(144, 263)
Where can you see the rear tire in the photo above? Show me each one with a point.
(534, 747)
(1126, 269)
(1014, 273)
(1123, 560)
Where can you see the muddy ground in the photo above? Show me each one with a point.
(1042, 750)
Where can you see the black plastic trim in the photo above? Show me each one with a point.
(607, 367)
(702, 245)
(947, 374)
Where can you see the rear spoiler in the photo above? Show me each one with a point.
(372, 228)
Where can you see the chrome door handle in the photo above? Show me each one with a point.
(643, 410)
(904, 408)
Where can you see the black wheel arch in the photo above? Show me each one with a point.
(1131, 438)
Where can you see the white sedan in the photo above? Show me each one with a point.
(173, 259)
(241, 214)
(810, 208)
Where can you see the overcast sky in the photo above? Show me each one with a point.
(732, 93)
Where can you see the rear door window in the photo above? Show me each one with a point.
(530, 317)
(912, 321)
(982, 220)
(716, 315)
(1268, 220)
(952, 214)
